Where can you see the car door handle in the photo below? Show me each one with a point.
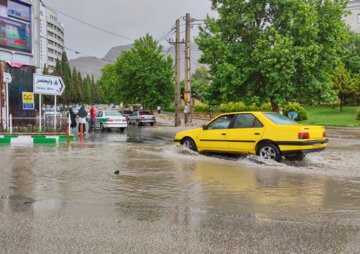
(257, 133)
(224, 134)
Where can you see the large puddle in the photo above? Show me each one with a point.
(166, 185)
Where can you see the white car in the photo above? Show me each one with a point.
(110, 119)
(140, 118)
(49, 113)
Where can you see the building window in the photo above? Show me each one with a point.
(358, 18)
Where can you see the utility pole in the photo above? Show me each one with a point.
(187, 97)
(177, 73)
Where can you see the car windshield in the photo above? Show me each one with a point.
(112, 113)
(145, 113)
(279, 119)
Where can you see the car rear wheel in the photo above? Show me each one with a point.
(102, 127)
(269, 151)
(189, 143)
(151, 124)
(122, 129)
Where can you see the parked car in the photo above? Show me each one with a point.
(266, 134)
(49, 112)
(110, 119)
(140, 118)
(126, 113)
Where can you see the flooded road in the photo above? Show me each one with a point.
(60, 199)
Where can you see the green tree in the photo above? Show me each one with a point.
(108, 83)
(344, 84)
(143, 75)
(87, 84)
(277, 51)
(350, 53)
(69, 93)
(45, 70)
(78, 92)
(200, 84)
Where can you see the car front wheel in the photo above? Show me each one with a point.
(269, 151)
(189, 143)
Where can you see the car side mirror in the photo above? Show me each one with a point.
(205, 127)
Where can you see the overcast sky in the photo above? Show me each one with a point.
(129, 18)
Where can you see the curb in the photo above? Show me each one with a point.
(33, 139)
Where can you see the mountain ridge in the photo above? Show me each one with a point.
(92, 65)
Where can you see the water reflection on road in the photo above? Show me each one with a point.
(225, 204)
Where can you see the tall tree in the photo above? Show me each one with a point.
(143, 75)
(344, 84)
(78, 92)
(108, 83)
(68, 95)
(45, 70)
(200, 84)
(277, 50)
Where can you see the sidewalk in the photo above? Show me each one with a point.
(168, 119)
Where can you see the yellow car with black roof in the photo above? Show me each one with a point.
(266, 134)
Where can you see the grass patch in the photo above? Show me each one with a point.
(331, 116)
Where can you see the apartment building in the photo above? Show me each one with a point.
(353, 18)
(52, 38)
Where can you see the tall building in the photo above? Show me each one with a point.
(52, 38)
(353, 18)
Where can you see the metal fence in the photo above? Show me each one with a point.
(31, 124)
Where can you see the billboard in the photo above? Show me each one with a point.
(15, 26)
(28, 101)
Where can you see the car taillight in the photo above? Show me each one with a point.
(142, 117)
(324, 134)
(303, 135)
(153, 117)
(124, 121)
(110, 120)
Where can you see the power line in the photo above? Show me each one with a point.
(166, 34)
(88, 24)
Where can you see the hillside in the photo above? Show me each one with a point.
(92, 66)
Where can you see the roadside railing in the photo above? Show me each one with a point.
(31, 124)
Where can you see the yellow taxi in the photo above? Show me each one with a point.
(266, 134)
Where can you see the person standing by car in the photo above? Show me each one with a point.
(92, 119)
(82, 119)
(72, 120)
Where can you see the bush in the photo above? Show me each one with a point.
(202, 107)
(295, 107)
(171, 108)
(240, 107)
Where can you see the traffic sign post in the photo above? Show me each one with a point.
(49, 85)
(7, 80)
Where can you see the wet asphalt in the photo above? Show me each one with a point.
(67, 199)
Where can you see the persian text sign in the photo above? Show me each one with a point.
(50, 85)
(28, 101)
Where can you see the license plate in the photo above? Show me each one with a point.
(317, 145)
